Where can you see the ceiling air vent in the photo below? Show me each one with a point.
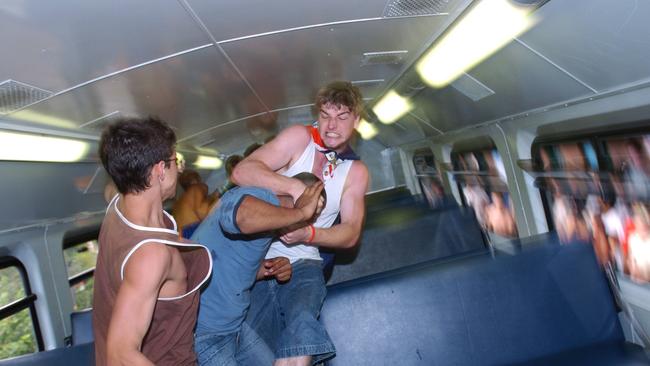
(15, 95)
(471, 88)
(383, 58)
(407, 8)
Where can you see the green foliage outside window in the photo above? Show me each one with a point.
(80, 258)
(16, 331)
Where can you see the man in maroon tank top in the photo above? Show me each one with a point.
(147, 282)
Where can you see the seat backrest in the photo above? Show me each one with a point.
(82, 327)
(477, 310)
(82, 355)
(402, 237)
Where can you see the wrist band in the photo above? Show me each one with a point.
(313, 233)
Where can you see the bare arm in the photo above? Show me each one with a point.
(144, 274)
(353, 210)
(255, 215)
(259, 169)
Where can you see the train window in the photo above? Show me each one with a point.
(597, 190)
(427, 175)
(19, 331)
(480, 175)
(80, 259)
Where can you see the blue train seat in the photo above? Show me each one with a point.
(548, 304)
(82, 327)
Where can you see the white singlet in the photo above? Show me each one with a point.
(333, 188)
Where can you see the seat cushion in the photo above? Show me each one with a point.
(608, 354)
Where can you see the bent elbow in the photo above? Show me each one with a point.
(237, 172)
(351, 243)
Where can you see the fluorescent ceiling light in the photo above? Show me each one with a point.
(391, 107)
(208, 162)
(367, 130)
(24, 147)
(490, 25)
(44, 119)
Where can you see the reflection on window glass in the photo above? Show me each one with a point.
(427, 175)
(482, 180)
(16, 331)
(598, 192)
(79, 259)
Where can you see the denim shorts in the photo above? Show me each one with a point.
(286, 315)
(243, 348)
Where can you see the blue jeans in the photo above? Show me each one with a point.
(244, 347)
(286, 315)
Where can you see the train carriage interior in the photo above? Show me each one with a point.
(508, 145)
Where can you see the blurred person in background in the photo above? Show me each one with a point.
(194, 203)
(499, 218)
(231, 162)
(639, 244)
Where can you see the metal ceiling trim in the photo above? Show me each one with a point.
(369, 81)
(425, 122)
(220, 125)
(243, 119)
(205, 29)
(321, 25)
(383, 58)
(114, 113)
(560, 68)
(114, 73)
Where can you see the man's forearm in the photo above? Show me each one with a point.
(340, 236)
(255, 215)
(257, 174)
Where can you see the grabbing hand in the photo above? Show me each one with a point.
(310, 202)
(300, 235)
(278, 267)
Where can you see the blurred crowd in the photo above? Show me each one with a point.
(482, 179)
(598, 193)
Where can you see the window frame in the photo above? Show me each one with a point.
(27, 302)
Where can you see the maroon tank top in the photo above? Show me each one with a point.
(169, 340)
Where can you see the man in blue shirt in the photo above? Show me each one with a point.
(238, 233)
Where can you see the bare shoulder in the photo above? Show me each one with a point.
(282, 149)
(150, 261)
(358, 176)
(296, 135)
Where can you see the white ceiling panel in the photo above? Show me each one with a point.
(234, 138)
(604, 43)
(192, 92)
(72, 41)
(521, 81)
(295, 66)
